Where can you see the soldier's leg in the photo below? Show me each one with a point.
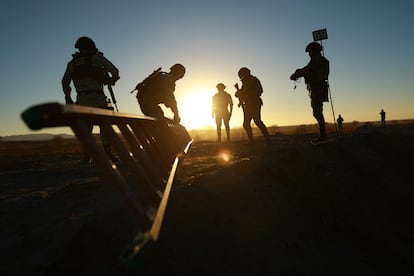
(317, 108)
(259, 123)
(218, 128)
(246, 123)
(227, 126)
(86, 159)
(108, 148)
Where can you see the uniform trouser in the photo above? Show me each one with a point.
(95, 99)
(252, 111)
(317, 108)
(225, 118)
(161, 131)
(150, 108)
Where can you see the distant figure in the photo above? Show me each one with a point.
(222, 109)
(340, 121)
(158, 88)
(316, 78)
(382, 114)
(251, 102)
(89, 70)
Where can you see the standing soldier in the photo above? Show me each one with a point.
(251, 102)
(340, 122)
(222, 108)
(316, 78)
(90, 71)
(382, 114)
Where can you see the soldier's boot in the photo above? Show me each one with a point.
(322, 132)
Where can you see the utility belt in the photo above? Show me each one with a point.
(84, 93)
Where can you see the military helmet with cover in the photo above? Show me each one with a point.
(313, 47)
(178, 70)
(244, 72)
(85, 43)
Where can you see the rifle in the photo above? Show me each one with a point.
(239, 94)
(111, 92)
(139, 85)
(112, 96)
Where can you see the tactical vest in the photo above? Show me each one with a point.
(83, 69)
(158, 87)
(253, 89)
(319, 71)
(317, 79)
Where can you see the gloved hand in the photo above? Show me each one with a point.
(295, 76)
(177, 119)
(69, 100)
(113, 80)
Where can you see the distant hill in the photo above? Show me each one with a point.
(237, 132)
(36, 137)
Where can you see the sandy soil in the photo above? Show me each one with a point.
(342, 208)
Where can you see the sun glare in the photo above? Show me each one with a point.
(195, 109)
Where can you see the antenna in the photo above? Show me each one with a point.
(320, 35)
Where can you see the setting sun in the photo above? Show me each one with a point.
(195, 108)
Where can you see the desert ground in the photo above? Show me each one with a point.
(291, 208)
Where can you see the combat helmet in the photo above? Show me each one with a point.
(221, 86)
(85, 43)
(178, 70)
(244, 72)
(313, 47)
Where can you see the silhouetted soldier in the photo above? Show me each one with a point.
(158, 88)
(316, 78)
(222, 109)
(382, 114)
(250, 100)
(340, 121)
(89, 70)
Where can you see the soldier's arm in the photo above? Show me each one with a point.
(109, 67)
(174, 109)
(301, 72)
(212, 107)
(171, 103)
(67, 78)
(231, 104)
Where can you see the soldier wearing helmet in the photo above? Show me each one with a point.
(89, 71)
(316, 74)
(250, 100)
(158, 88)
(222, 109)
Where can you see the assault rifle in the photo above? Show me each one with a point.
(147, 79)
(111, 92)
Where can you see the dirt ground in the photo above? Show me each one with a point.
(342, 208)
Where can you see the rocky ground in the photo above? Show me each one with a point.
(341, 208)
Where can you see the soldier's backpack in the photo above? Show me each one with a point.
(150, 83)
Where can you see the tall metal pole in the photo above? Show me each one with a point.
(320, 35)
(330, 97)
